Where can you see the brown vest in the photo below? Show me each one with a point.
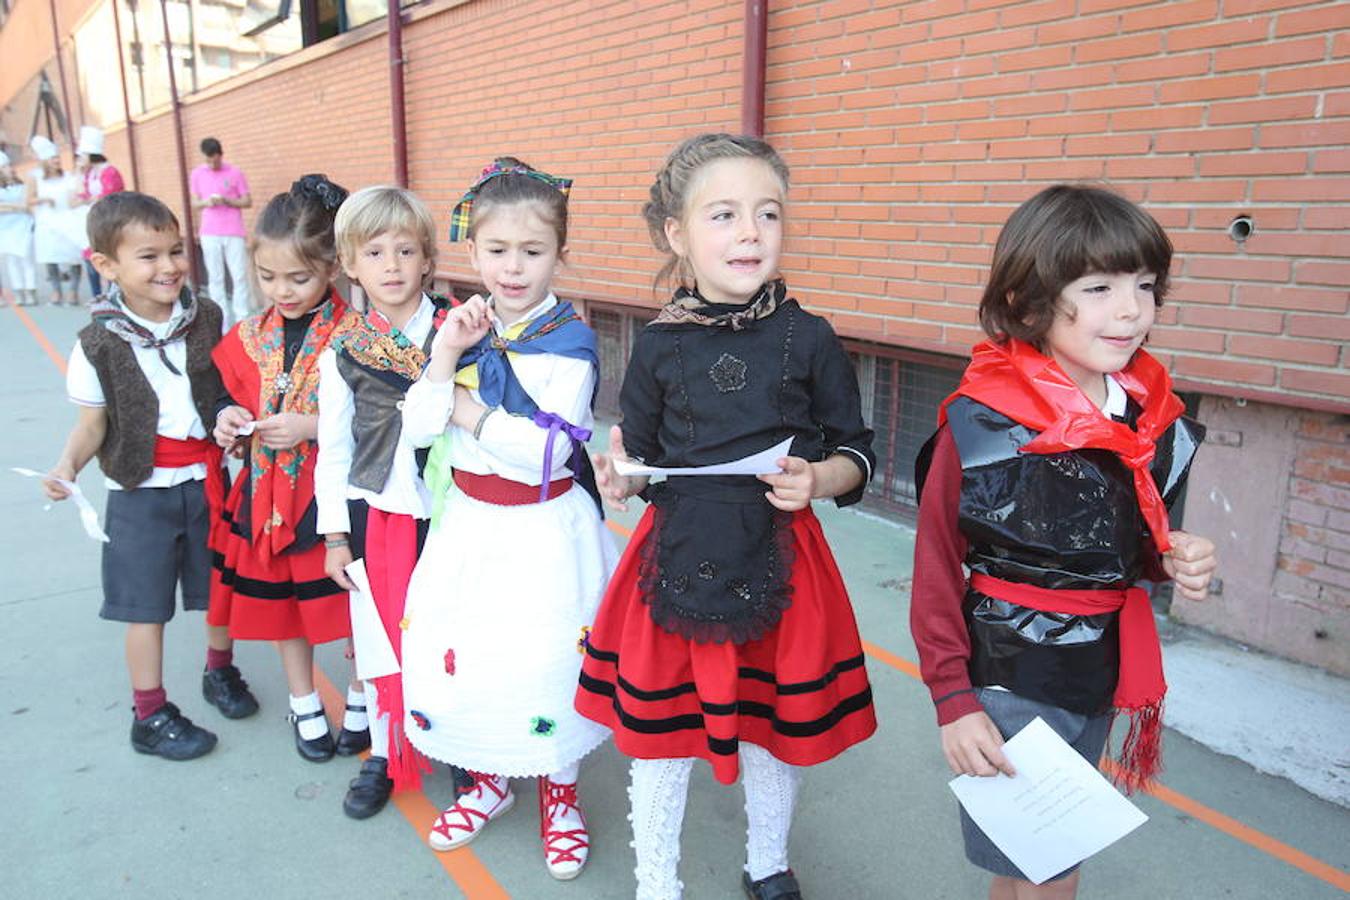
(127, 454)
(377, 421)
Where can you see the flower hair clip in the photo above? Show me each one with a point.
(462, 214)
(321, 189)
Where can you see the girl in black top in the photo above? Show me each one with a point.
(726, 633)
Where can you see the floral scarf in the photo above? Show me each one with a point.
(280, 493)
(375, 344)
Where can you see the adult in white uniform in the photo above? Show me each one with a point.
(51, 197)
(16, 236)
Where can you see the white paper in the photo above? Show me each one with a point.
(246, 429)
(1056, 812)
(88, 515)
(765, 462)
(370, 642)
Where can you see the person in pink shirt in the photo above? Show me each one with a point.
(221, 191)
(98, 178)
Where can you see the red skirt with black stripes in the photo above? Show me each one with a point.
(800, 691)
(271, 597)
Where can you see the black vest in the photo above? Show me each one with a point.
(377, 422)
(1060, 520)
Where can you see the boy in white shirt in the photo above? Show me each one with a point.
(372, 503)
(142, 376)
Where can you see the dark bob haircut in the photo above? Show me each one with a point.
(115, 213)
(1058, 236)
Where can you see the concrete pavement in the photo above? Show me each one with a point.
(86, 817)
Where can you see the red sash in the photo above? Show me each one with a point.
(171, 453)
(503, 492)
(1140, 689)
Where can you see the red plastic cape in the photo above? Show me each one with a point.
(1031, 389)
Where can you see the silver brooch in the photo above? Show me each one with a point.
(283, 383)
(728, 373)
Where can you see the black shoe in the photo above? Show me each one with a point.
(227, 691)
(320, 749)
(370, 790)
(350, 743)
(168, 733)
(779, 886)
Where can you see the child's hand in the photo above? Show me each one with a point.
(335, 562)
(53, 490)
(228, 423)
(1190, 563)
(464, 326)
(286, 430)
(614, 488)
(973, 746)
(794, 487)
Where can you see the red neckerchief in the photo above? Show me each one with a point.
(1030, 388)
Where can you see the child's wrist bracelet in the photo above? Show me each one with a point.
(335, 543)
(478, 428)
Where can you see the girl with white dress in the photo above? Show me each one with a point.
(52, 197)
(16, 236)
(515, 565)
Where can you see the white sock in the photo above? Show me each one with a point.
(770, 796)
(567, 775)
(379, 723)
(356, 720)
(309, 728)
(658, 791)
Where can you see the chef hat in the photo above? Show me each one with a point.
(91, 140)
(43, 148)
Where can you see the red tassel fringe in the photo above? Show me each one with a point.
(1140, 759)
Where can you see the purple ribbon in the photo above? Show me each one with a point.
(555, 423)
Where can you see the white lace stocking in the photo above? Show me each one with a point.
(770, 796)
(658, 791)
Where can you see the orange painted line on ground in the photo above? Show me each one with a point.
(1245, 833)
(618, 529)
(36, 332)
(462, 865)
(1193, 808)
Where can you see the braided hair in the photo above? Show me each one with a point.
(670, 192)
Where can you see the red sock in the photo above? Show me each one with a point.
(148, 702)
(218, 659)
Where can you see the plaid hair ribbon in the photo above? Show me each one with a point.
(462, 214)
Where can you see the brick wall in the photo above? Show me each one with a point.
(1271, 487)
(914, 128)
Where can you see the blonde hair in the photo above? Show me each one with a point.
(669, 194)
(373, 211)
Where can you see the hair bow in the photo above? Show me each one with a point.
(462, 214)
(320, 188)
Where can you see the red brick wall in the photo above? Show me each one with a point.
(912, 128)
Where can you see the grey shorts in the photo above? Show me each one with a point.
(1011, 713)
(157, 542)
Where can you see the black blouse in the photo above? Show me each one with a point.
(696, 395)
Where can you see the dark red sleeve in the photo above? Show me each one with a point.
(939, 586)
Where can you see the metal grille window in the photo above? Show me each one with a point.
(901, 397)
(615, 333)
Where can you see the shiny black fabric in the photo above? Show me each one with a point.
(1059, 521)
(695, 395)
(719, 561)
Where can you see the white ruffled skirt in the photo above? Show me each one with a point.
(495, 612)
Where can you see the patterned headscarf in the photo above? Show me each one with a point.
(107, 310)
(462, 214)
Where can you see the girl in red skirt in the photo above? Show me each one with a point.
(726, 633)
(269, 581)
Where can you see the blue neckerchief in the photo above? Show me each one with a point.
(560, 331)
